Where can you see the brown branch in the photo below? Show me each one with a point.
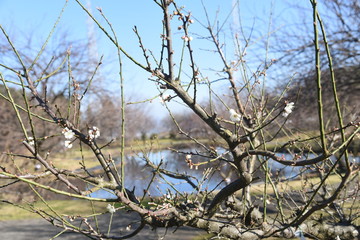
(172, 174)
(278, 159)
(209, 120)
(295, 163)
(170, 50)
(229, 72)
(51, 169)
(145, 212)
(68, 124)
(227, 191)
(232, 231)
(142, 47)
(324, 203)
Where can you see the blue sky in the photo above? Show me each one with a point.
(37, 18)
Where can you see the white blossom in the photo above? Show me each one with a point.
(285, 114)
(37, 167)
(68, 133)
(187, 38)
(68, 144)
(234, 116)
(111, 208)
(267, 200)
(94, 133)
(227, 180)
(288, 109)
(31, 141)
(188, 157)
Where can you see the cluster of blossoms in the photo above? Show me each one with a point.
(288, 109)
(186, 20)
(31, 141)
(190, 163)
(187, 38)
(94, 133)
(111, 208)
(183, 17)
(68, 134)
(234, 116)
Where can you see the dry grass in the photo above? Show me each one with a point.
(62, 207)
(294, 185)
(73, 158)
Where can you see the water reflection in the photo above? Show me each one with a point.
(139, 175)
(290, 172)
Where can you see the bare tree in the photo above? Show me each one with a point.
(107, 116)
(343, 34)
(249, 131)
(186, 124)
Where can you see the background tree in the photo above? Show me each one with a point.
(343, 34)
(107, 116)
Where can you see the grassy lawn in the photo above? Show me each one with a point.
(71, 159)
(62, 207)
(81, 207)
(293, 185)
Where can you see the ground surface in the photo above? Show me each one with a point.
(39, 229)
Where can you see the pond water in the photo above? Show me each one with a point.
(138, 175)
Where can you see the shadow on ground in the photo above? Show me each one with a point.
(40, 229)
